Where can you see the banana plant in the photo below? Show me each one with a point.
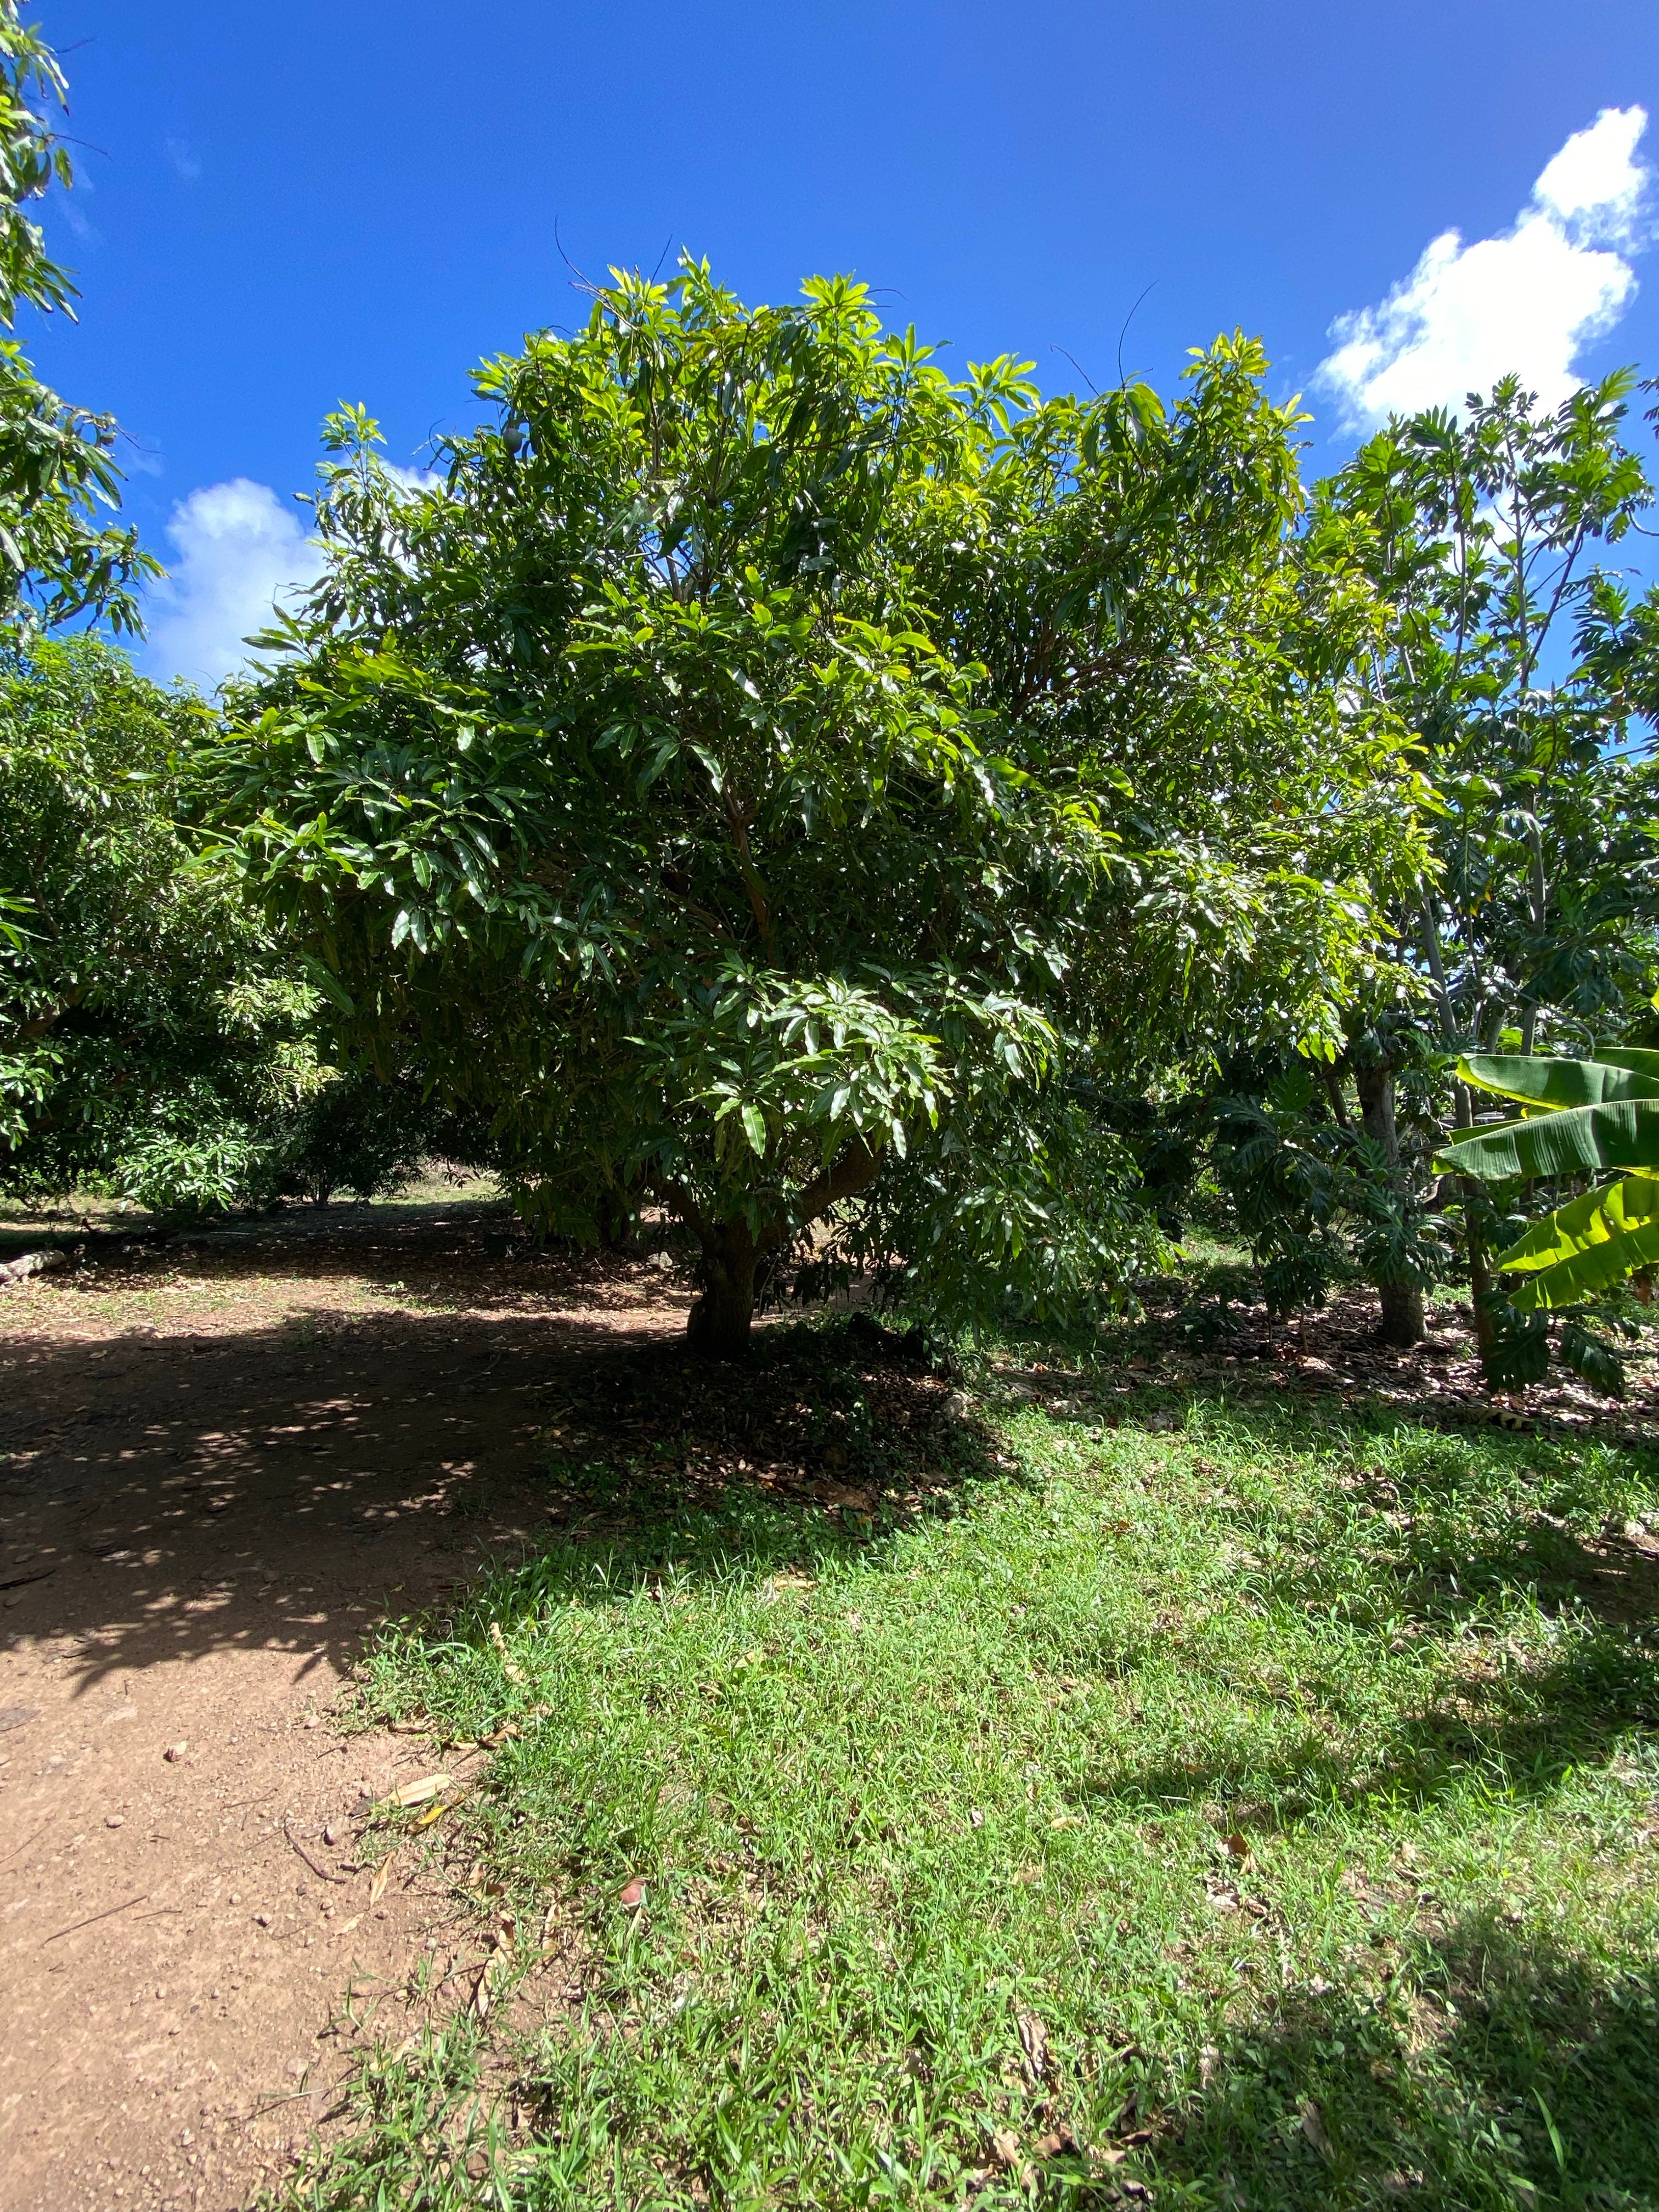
(1577, 1117)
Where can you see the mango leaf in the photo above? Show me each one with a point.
(754, 1122)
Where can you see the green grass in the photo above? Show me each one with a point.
(1260, 1813)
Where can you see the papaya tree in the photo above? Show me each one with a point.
(650, 783)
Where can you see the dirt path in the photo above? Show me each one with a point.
(218, 1468)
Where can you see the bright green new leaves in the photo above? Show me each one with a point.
(1585, 1117)
(1582, 1250)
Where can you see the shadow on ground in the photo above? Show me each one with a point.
(234, 1445)
(1492, 2050)
(266, 1463)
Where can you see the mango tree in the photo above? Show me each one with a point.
(653, 781)
(60, 556)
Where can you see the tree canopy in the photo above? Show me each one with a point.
(60, 558)
(768, 774)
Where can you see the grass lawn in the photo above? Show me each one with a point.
(1125, 1798)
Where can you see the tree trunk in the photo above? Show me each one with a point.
(1402, 1303)
(1479, 1271)
(618, 1224)
(719, 1325)
(1463, 1114)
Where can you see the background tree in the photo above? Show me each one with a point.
(653, 781)
(1484, 536)
(59, 559)
(154, 1037)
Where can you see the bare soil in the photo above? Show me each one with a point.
(220, 1466)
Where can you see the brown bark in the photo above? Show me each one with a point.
(718, 1328)
(733, 1257)
(1402, 1303)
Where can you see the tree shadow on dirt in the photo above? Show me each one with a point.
(1492, 2067)
(288, 1486)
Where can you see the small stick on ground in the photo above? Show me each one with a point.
(321, 1873)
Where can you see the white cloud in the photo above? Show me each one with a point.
(237, 547)
(1527, 301)
(187, 162)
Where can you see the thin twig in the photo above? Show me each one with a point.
(34, 1838)
(321, 1873)
(93, 1917)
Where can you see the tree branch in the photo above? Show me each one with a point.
(853, 1169)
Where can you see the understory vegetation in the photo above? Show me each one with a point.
(1096, 1795)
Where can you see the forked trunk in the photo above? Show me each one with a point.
(1402, 1303)
(719, 1325)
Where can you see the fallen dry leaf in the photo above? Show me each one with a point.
(634, 1893)
(1313, 2126)
(382, 1875)
(1005, 2145)
(422, 1792)
(346, 1926)
(514, 1674)
(1034, 2042)
(1239, 1845)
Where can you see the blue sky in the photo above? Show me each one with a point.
(287, 206)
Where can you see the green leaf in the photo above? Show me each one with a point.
(1631, 1056)
(1584, 1140)
(1536, 1080)
(754, 1122)
(1594, 1357)
(1612, 1210)
(1589, 1273)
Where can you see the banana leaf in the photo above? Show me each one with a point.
(1613, 1210)
(1539, 1080)
(1631, 1056)
(1580, 1141)
(1583, 1248)
(1592, 1272)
